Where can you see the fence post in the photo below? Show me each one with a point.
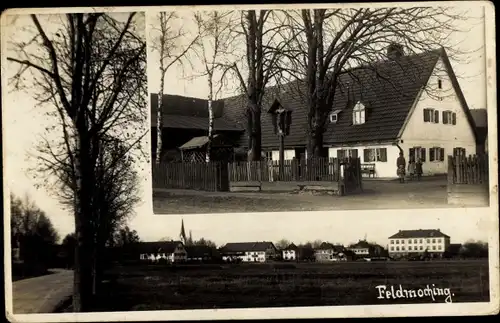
(450, 170)
(222, 175)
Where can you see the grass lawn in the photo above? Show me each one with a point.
(266, 285)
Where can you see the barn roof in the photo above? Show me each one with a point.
(181, 112)
(420, 233)
(388, 89)
(157, 246)
(247, 246)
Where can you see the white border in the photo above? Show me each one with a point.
(417, 310)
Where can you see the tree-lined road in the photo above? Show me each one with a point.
(42, 294)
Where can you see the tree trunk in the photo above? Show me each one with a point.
(210, 118)
(315, 143)
(159, 123)
(83, 271)
(254, 133)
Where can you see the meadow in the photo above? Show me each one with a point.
(155, 287)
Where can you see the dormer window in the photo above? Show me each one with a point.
(358, 114)
(334, 116)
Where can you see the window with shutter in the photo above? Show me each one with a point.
(445, 117)
(436, 116)
(422, 155)
(426, 115)
(454, 118)
(441, 157)
(412, 153)
(431, 154)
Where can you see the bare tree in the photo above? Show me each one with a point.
(282, 244)
(264, 50)
(214, 30)
(329, 43)
(89, 70)
(166, 41)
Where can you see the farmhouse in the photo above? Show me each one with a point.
(327, 252)
(185, 124)
(170, 251)
(249, 251)
(199, 253)
(405, 103)
(295, 253)
(417, 242)
(364, 249)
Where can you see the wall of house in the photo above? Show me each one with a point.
(254, 256)
(289, 255)
(428, 134)
(289, 154)
(382, 168)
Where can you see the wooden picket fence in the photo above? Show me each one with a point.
(216, 176)
(468, 170)
(196, 175)
(318, 169)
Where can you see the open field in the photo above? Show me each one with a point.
(271, 285)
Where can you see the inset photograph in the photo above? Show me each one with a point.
(264, 110)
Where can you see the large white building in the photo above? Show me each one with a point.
(249, 251)
(414, 242)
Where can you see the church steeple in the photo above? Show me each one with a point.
(182, 235)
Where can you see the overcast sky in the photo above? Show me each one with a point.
(23, 123)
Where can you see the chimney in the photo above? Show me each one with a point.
(395, 51)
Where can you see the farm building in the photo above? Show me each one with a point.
(405, 103)
(480, 117)
(249, 251)
(416, 242)
(295, 253)
(327, 252)
(185, 118)
(364, 249)
(199, 253)
(170, 251)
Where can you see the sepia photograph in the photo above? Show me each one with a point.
(250, 162)
(318, 110)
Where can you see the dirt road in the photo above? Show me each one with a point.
(42, 294)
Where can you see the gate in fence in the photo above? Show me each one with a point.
(468, 170)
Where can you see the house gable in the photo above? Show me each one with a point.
(443, 102)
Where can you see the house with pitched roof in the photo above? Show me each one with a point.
(169, 251)
(260, 251)
(365, 249)
(406, 103)
(201, 253)
(328, 252)
(416, 242)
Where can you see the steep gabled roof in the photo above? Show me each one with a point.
(156, 246)
(420, 233)
(247, 246)
(388, 89)
(199, 251)
(182, 112)
(292, 246)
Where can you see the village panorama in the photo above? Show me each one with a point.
(148, 128)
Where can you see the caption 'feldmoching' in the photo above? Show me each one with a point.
(389, 292)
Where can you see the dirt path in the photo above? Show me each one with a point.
(42, 294)
(376, 195)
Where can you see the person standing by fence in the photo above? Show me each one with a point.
(401, 165)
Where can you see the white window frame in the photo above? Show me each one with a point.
(377, 155)
(437, 154)
(358, 114)
(431, 115)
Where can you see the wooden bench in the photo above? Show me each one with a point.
(242, 186)
(368, 169)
